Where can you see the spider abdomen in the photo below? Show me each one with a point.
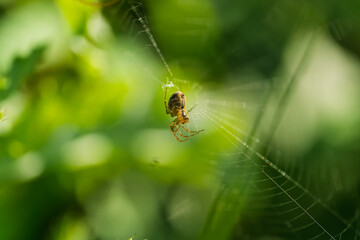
(176, 103)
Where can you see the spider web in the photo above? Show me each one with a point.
(304, 214)
(281, 194)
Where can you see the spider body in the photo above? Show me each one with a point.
(176, 107)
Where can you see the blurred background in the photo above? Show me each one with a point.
(86, 151)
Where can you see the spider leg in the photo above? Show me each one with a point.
(189, 131)
(174, 125)
(178, 123)
(166, 107)
(192, 108)
(178, 130)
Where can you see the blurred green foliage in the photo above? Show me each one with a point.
(85, 146)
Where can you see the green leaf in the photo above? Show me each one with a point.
(21, 68)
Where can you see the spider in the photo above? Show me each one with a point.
(177, 107)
